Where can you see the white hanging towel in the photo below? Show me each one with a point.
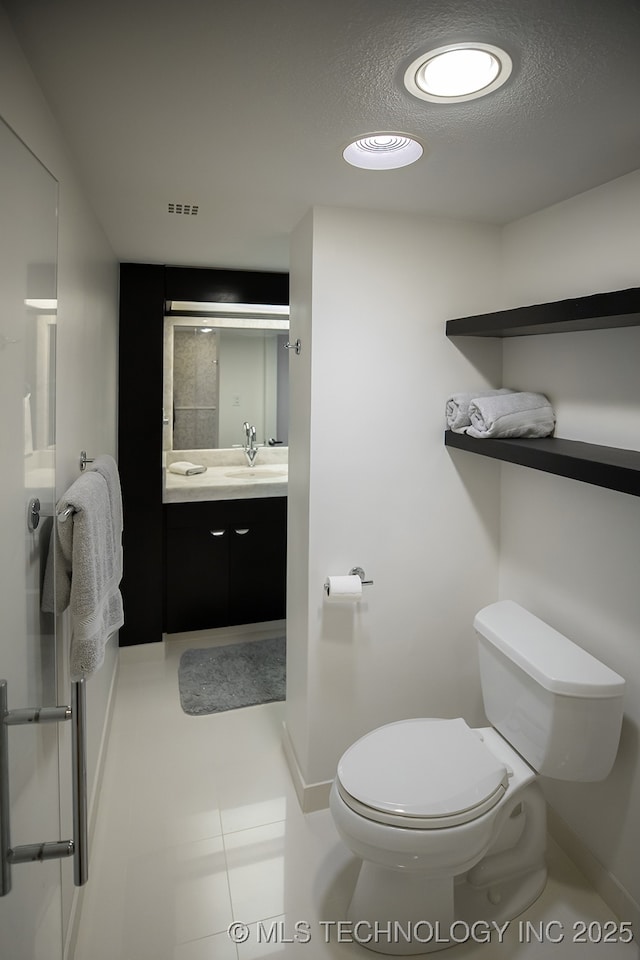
(84, 570)
(108, 468)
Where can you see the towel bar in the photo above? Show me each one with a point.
(84, 460)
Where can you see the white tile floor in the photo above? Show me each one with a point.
(199, 826)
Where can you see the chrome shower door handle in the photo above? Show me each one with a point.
(79, 786)
(78, 848)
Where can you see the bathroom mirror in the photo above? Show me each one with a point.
(220, 371)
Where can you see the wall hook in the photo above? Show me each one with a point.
(84, 460)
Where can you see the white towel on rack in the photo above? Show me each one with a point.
(457, 407)
(84, 572)
(108, 468)
(513, 415)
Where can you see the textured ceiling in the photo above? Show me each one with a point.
(243, 107)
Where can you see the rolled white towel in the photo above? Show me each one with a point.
(185, 468)
(513, 415)
(457, 408)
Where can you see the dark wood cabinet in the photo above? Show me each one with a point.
(225, 563)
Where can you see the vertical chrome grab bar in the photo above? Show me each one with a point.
(5, 823)
(78, 848)
(79, 774)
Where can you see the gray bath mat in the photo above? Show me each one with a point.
(215, 679)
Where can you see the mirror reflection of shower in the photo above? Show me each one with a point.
(195, 405)
(39, 386)
(220, 372)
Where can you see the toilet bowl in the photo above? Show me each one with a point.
(449, 821)
(420, 831)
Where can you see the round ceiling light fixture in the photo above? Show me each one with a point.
(383, 151)
(457, 72)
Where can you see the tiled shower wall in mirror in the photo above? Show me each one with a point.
(195, 388)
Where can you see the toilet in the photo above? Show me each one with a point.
(450, 821)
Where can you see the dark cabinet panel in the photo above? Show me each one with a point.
(139, 447)
(257, 580)
(236, 286)
(225, 563)
(197, 579)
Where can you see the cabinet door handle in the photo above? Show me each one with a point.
(217, 533)
(241, 531)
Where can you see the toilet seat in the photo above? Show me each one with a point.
(421, 774)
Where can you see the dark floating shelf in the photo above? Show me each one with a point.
(620, 308)
(609, 467)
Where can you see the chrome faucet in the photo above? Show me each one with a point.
(250, 445)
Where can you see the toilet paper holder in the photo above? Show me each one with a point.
(354, 572)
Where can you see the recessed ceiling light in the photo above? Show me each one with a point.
(459, 71)
(383, 151)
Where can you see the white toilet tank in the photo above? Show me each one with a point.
(556, 704)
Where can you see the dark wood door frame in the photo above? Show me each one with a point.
(144, 290)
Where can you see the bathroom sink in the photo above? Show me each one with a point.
(261, 472)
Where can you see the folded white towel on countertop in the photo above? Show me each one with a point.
(185, 468)
(457, 408)
(83, 571)
(511, 415)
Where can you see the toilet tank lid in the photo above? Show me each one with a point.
(550, 658)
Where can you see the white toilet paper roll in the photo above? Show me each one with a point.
(347, 589)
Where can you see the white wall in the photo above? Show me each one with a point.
(569, 551)
(247, 379)
(86, 341)
(370, 482)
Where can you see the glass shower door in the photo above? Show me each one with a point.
(30, 909)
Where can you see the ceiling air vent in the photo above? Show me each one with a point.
(190, 209)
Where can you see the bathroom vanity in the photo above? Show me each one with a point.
(225, 562)
(225, 539)
(150, 560)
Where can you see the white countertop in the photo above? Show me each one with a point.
(231, 479)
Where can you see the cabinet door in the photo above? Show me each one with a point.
(197, 585)
(258, 565)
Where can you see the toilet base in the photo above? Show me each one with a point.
(399, 914)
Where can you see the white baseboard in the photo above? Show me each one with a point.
(603, 882)
(218, 636)
(311, 796)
